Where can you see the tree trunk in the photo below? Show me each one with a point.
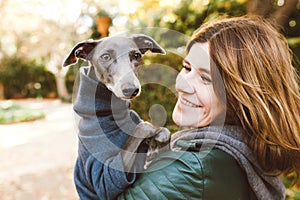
(61, 86)
(281, 15)
(260, 7)
(268, 9)
(1, 91)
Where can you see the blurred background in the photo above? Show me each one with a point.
(37, 127)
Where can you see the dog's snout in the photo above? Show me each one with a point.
(130, 91)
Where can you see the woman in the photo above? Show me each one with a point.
(239, 91)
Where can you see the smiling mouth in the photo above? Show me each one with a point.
(188, 103)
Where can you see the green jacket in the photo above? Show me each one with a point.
(191, 175)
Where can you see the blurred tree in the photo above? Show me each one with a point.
(39, 30)
(24, 78)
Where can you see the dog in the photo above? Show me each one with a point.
(114, 62)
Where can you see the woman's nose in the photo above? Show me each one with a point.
(183, 85)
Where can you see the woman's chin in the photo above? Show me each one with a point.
(179, 120)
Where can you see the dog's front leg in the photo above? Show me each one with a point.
(157, 144)
(144, 131)
(129, 152)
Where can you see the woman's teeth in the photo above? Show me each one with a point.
(185, 102)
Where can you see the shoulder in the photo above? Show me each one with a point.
(192, 175)
(220, 170)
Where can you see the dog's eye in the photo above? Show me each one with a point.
(137, 55)
(105, 57)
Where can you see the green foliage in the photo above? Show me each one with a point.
(10, 112)
(190, 15)
(70, 78)
(291, 31)
(22, 78)
(158, 88)
(154, 94)
(72, 74)
(295, 47)
(293, 194)
(292, 184)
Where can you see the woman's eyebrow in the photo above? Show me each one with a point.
(207, 71)
(186, 62)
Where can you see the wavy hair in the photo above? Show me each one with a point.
(261, 85)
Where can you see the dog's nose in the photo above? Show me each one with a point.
(130, 91)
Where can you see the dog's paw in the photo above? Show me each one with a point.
(163, 135)
(144, 130)
(157, 144)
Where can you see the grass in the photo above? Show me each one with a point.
(10, 112)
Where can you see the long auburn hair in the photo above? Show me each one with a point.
(261, 85)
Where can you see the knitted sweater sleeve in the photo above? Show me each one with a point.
(104, 125)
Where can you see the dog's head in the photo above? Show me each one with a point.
(115, 61)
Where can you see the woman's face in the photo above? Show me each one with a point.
(197, 104)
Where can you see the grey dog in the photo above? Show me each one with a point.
(114, 62)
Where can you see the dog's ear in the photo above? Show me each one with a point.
(146, 43)
(80, 50)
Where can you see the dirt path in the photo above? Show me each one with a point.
(37, 158)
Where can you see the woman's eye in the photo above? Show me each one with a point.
(186, 67)
(105, 57)
(206, 78)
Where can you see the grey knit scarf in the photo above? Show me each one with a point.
(229, 139)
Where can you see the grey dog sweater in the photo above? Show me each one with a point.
(104, 125)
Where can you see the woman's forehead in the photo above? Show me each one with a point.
(198, 56)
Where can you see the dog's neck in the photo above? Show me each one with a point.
(92, 74)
